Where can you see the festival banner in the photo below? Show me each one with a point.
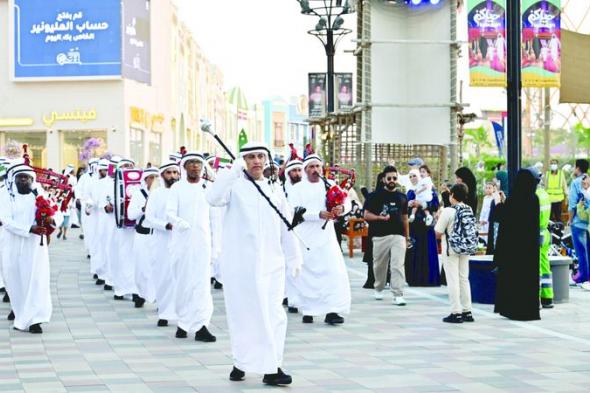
(541, 43)
(136, 41)
(487, 42)
(317, 94)
(344, 91)
(66, 39)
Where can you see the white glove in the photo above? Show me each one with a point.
(296, 270)
(183, 225)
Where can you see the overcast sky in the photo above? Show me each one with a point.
(262, 45)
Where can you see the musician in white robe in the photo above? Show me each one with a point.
(217, 215)
(121, 263)
(82, 191)
(25, 261)
(160, 259)
(323, 286)
(293, 175)
(95, 219)
(3, 164)
(190, 248)
(142, 238)
(258, 246)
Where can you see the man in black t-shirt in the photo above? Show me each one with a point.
(386, 210)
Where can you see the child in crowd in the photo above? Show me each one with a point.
(424, 195)
(484, 215)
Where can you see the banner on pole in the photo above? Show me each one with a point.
(487, 42)
(317, 94)
(541, 43)
(344, 91)
(499, 133)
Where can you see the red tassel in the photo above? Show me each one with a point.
(182, 150)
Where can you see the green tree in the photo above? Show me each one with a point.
(582, 137)
(478, 139)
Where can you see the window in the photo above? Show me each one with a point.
(155, 149)
(136, 144)
(36, 141)
(79, 146)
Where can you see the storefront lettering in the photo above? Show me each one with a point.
(145, 118)
(76, 115)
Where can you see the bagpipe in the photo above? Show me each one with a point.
(55, 183)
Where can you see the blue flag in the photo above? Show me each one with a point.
(499, 133)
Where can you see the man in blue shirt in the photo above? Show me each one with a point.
(579, 227)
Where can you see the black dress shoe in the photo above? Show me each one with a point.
(547, 303)
(285, 302)
(333, 319)
(218, 285)
(180, 333)
(95, 277)
(10, 316)
(236, 375)
(453, 318)
(134, 296)
(81, 237)
(2, 290)
(467, 316)
(119, 297)
(139, 302)
(108, 287)
(162, 322)
(100, 282)
(6, 298)
(35, 329)
(293, 310)
(204, 335)
(88, 256)
(368, 285)
(280, 378)
(307, 319)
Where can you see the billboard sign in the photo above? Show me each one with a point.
(136, 40)
(541, 43)
(343, 91)
(66, 39)
(317, 94)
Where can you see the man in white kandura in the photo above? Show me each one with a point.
(293, 175)
(82, 191)
(142, 238)
(257, 247)
(162, 268)
(190, 249)
(323, 287)
(98, 216)
(25, 261)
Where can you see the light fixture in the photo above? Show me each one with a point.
(415, 2)
(338, 22)
(434, 2)
(305, 8)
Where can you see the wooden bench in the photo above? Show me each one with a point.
(351, 232)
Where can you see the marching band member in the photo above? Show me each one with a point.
(97, 221)
(3, 164)
(121, 263)
(188, 211)
(25, 261)
(82, 191)
(323, 287)
(253, 265)
(162, 269)
(143, 238)
(217, 214)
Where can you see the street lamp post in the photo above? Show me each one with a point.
(328, 30)
(514, 90)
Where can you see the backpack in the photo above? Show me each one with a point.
(464, 239)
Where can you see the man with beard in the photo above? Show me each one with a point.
(387, 213)
(323, 286)
(258, 246)
(293, 175)
(142, 238)
(101, 221)
(25, 260)
(190, 248)
(156, 217)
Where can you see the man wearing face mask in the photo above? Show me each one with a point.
(155, 214)
(25, 260)
(189, 214)
(387, 214)
(556, 187)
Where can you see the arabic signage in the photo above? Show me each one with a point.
(66, 39)
(541, 41)
(317, 94)
(77, 115)
(487, 42)
(136, 40)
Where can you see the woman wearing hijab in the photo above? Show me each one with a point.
(422, 268)
(464, 175)
(517, 252)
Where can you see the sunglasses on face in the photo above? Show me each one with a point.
(390, 178)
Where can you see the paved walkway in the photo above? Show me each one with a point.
(96, 344)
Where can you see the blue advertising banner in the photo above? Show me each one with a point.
(136, 40)
(67, 39)
(499, 133)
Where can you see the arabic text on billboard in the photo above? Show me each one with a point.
(487, 42)
(67, 38)
(541, 41)
(136, 40)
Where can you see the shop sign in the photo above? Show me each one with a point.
(77, 115)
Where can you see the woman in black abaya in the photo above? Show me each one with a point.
(464, 175)
(517, 252)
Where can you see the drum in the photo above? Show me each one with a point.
(126, 182)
